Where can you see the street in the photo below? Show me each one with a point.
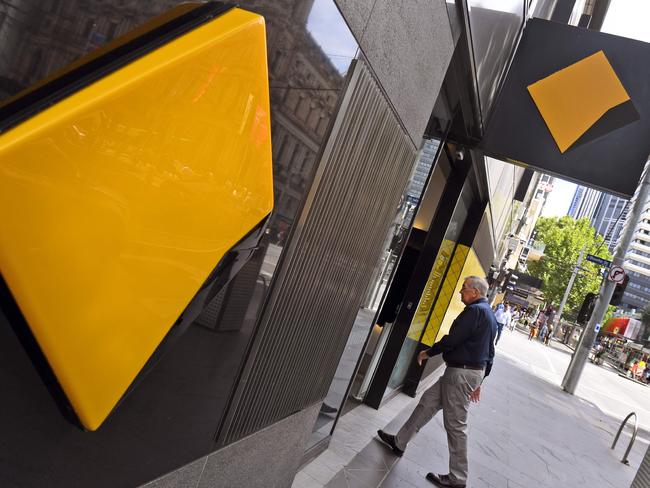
(601, 385)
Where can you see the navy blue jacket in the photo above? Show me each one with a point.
(471, 337)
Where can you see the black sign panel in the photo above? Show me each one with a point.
(610, 160)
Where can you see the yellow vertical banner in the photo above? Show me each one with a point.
(430, 290)
(446, 294)
(471, 267)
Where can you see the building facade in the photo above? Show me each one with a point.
(637, 263)
(609, 218)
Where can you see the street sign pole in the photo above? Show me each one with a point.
(580, 355)
(558, 316)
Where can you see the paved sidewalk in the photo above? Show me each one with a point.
(525, 433)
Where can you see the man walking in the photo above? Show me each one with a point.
(468, 350)
(503, 316)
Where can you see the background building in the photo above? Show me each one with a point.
(584, 203)
(637, 264)
(610, 217)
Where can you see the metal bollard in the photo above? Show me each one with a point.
(620, 429)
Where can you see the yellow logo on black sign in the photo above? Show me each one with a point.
(583, 101)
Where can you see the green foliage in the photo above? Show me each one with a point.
(609, 313)
(564, 238)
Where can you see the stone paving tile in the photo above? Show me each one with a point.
(393, 481)
(369, 477)
(412, 472)
(339, 481)
(303, 480)
(319, 472)
(376, 452)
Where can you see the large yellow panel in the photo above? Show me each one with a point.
(576, 97)
(471, 267)
(117, 202)
(447, 295)
(430, 289)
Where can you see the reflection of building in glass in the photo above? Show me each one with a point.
(303, 84)
(40, 37)
(422, 169)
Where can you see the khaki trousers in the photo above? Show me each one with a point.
(451, 394)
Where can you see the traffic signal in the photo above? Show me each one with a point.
(510, 282)
(586, 309)
(617, 296)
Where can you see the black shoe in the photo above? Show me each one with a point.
(390, 441)
(443, 481)
(325, 408)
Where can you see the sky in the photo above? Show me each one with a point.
(330, 31)
(626, 18)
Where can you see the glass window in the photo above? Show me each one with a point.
(429, 294)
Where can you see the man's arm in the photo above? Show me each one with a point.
(475, 396)
(488, 366)
(459, 332)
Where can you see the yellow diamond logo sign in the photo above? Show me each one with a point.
(583, 101)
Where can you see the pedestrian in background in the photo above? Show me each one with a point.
(503, 316)
(532, 333)
(549, 333)
(515, 319)
(468, 350)
(542, 332)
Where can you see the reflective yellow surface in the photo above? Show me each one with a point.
(471, 267)
(117, 202)
(576, 97)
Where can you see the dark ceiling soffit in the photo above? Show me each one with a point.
(461, 85)
(470, 63)
(517, 133)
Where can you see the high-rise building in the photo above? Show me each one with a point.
(584, 203)
(637, 263)
(609, 218)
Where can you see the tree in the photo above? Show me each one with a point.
(564, 237)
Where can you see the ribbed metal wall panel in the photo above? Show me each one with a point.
(642, 478)
(325, 271)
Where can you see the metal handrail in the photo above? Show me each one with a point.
(620, 429)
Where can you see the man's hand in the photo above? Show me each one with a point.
(475, 396)
(423, 356)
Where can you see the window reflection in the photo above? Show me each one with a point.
(495, 26)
